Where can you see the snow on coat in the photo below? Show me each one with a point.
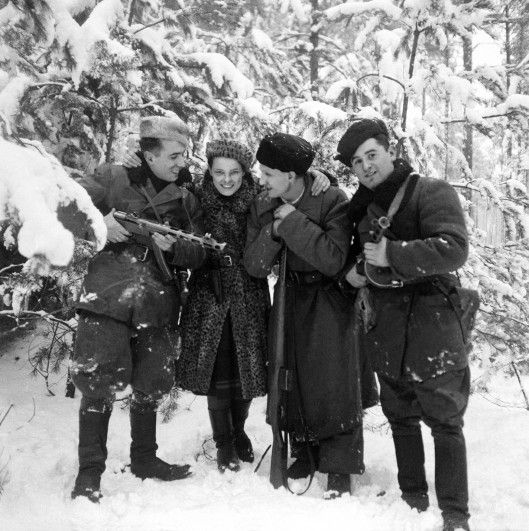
(417, 333)
(117, 283)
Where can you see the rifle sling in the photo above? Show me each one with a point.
(158, 253)
(145, 194)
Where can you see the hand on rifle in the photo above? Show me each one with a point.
(355, 278)
(376, 253)
(164, 241)
(116, 232)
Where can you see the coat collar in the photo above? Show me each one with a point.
(141, 177)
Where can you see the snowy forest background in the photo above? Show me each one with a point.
(450, 76)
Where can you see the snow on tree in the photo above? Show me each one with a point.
(78, 74)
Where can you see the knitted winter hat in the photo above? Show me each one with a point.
(230, 149)
(360, 131)
(285, 153)
(164, 127)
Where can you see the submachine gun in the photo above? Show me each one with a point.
(145, 228)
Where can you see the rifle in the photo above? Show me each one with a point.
(146, 227)
(279, 381)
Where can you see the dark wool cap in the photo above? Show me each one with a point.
(360, 131)
(285, 153)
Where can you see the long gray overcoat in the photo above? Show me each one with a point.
(320, 344)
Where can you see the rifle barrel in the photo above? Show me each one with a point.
(153, 227)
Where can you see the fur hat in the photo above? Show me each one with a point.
(164, 128)
(285, 153)
(230, 149)
(361, 130)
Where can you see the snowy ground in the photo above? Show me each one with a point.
(39, 449)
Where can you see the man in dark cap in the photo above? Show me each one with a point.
(127, 309)
(324, 411)
(410, 236)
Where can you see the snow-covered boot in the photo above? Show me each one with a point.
(243, 445)
(337, 485)
(143, 461)
(94, 416)
(455, 524)
(222, 426)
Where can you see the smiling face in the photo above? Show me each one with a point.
(166, 160)
(276, 182)
(372, 163)
(227, 175)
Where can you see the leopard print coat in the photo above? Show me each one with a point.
(246, 299)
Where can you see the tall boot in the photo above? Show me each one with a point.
(143, 461)
(409, 451)
(451, 482)
(243, 445)
(222, 426)
(94, 416)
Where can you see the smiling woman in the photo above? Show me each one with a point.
(223, 323)
(227, 175)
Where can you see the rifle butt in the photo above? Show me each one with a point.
(278, 463)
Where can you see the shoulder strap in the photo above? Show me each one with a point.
(145, 194)
(408, 184)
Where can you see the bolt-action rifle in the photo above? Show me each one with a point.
(278, 382)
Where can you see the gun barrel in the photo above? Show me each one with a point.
(153, 227)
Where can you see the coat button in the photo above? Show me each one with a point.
(406, 298)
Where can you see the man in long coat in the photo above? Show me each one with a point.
(325, 408)
(416, 340)
(127, 309)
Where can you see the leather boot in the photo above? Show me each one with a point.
(222, 426)
(337, 485)
(302, 466)
(143, 461)
(243, 445)
(94, 416)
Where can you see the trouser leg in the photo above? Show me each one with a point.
(444, 400)
(239, 413)
(451, 482)
(409, 453)
(400, 406)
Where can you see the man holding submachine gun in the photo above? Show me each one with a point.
(129, 303)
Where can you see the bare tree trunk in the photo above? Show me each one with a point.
(132, 10)
(447, 116)
(111, 129)
(468, 142)
(405, 102)
(508, 55)
(314, 52)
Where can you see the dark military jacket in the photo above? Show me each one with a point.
(118, 283)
